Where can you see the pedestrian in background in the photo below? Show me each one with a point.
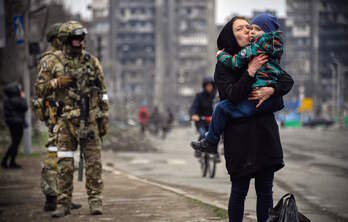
(167, 121)
(143, 118)
(15, 107)
(155, 120)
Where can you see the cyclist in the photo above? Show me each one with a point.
(202, 107)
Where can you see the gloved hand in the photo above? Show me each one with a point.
(61, 82)
(103, 126)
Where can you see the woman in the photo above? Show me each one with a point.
(252, 145)
(15, 107)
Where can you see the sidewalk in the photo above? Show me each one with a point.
(126, 199)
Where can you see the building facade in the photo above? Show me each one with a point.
(132, 49)
(162, 49)
(196, 47)
(317, 41)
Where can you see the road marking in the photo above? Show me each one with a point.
(111, 169)
(140, 161)
(176, 162)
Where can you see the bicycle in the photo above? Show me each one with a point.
(208, 165)
(207, 161)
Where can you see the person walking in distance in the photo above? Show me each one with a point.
(15, 107)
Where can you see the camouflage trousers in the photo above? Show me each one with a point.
(49, 169)
(67, 143)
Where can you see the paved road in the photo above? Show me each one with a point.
(317, 167)
(315, 170)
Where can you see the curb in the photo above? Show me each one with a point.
(173, 190)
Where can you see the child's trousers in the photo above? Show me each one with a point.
(225, 111)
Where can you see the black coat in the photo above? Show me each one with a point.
(202, 106)
(15, 106)
(251, 144)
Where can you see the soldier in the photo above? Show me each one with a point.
(49, 170)
(73, 76)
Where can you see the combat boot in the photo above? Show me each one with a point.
(96, 207)
(51, 203)
(75, 206)
(61, 211)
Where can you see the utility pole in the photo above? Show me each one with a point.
(333, 92)
(99, 48)
(159, 62)
(315, 55)
(340, 70)
(26, 80)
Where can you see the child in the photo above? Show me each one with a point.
(267, 40)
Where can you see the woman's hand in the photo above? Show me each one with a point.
(256, 63)
(261, 94)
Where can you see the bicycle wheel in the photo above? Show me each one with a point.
(212, 166)
(204, 160)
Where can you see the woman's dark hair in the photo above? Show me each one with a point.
(226, 39)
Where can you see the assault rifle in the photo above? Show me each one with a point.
(83, 137)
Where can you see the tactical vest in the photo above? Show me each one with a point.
(85, 82)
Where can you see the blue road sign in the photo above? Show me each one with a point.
(19, 30)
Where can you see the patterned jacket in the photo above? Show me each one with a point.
(270, 44)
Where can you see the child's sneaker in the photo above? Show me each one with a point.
(204, 146)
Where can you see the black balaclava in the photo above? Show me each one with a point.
(75, 51)
(226, 39)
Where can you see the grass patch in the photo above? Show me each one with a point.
(40, 139)
(218, 212)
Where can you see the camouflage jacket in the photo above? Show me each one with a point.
(270, 44)
(88, 78)
(38, 102)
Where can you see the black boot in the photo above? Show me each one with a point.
(14, 165)
(61, 211)
(51, 203)
(4, 163)
(204, 146)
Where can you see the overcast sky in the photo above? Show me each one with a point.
(224, 8)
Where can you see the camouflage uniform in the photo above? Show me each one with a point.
(87, 77)
(49, 170)
(40, 106)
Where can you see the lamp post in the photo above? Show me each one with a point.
(340, 70)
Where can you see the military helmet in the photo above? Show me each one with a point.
(52, 31)
(71, 28)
